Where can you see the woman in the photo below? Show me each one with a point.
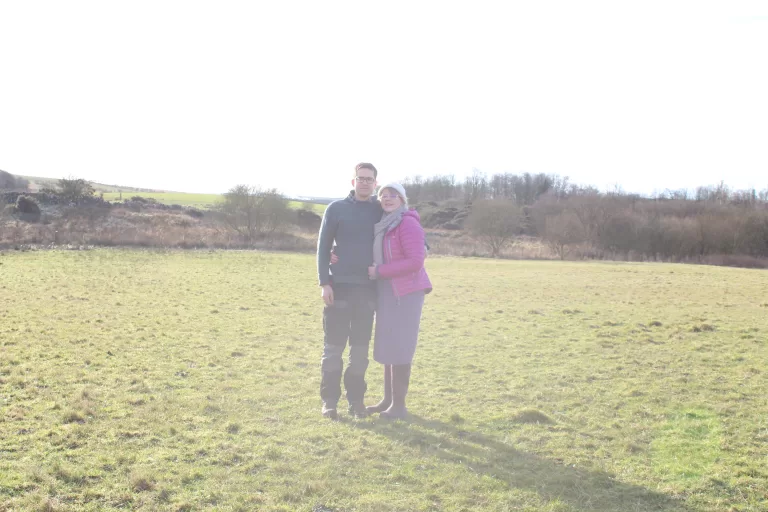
(398, 254)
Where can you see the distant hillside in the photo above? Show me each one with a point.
(119, 193)
(316, 200)
(36, 183)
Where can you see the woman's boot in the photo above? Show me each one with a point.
(401, 376)
(387, 400)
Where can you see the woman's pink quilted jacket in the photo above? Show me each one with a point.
(404, 254)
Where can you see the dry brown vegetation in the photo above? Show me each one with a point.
(78, 226)
(713, 225)
(506, 216)
(629, 228)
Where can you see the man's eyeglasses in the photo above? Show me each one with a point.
(364, 179)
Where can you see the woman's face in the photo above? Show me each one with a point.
(390, 200)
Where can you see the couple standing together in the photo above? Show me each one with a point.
(370, 259)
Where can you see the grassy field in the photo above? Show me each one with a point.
(196, 200)
(113, 193)
(315, 207)
(184, 199)
(189, 381)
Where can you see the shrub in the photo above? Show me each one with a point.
(561, 232)
(195, 213)
(74, 190)
(252, 212)
(144, 200)
(735, 260)
(308, 220)
(495, 223)
(28, 208)
(26, 204)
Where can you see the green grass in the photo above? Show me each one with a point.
(315, 207)
(197, 200)
(184, 199)
(112, 193)
(189, 381)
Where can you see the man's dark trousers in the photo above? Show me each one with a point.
(350, 318)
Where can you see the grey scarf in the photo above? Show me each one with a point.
(388, 222)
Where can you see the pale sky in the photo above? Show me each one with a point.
(200, 96)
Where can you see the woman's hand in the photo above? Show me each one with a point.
(372, 272)
(327, 295)
(334, 258)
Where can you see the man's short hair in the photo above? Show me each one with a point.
(366, 165)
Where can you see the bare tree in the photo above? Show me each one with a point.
(495, 223)
(475, 186)
(251, 211)
(593, 212)
(562, 231)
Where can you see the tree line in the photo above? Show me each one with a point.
(674, 225)
(658, 229)
(526, 188)
(573, 220)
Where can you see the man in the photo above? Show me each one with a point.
(349, 295)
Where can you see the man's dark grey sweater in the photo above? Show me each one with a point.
(349, 224)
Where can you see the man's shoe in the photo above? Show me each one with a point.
(329, 411)
(357, 409)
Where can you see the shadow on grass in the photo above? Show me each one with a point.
(581, 489)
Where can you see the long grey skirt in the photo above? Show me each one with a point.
(397, 325)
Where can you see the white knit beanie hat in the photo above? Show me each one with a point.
(398, 188)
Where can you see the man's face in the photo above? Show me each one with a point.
(364, 183)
